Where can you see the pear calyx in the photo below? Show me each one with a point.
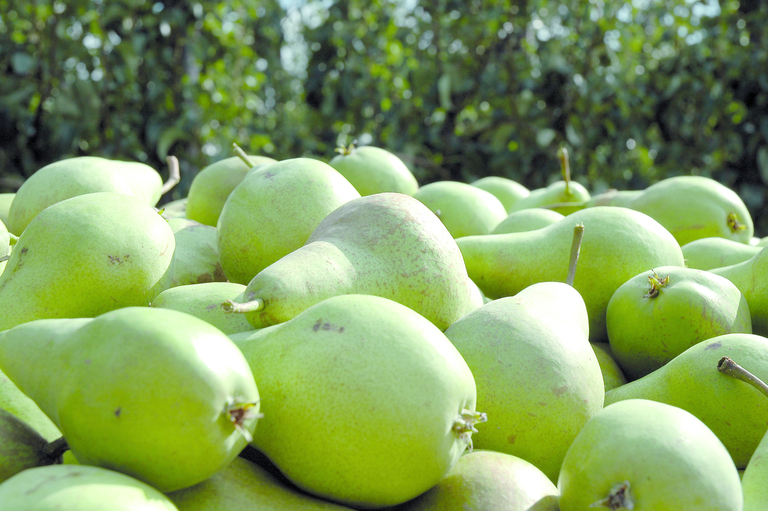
(734, 224)
(240, 308)
(727, 366)
(618, 498)
(464, 425)
(656, 284)
(238, 413)
(345, 150)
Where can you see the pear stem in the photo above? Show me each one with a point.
(727, 366)
(252, 306)
(578, 235)
(240, 153)
(174, 175)
(4, 258)
(565, 168)
(53, 451)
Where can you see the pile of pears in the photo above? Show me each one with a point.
(328, 334)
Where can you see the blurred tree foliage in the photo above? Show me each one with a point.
(637, 90)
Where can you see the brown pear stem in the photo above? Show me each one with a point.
(252, 306)
(727, 366)
(240, 153)
(53, 451)
(578, 235)
(565, 168)
(174, 175)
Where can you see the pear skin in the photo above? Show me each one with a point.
(528, 219)
(613, 376)
(537, 377)
(645, 455)
(153, 393)
(21, 447)
(84, 256)
(16, 402)
(714, 252)
(374, 170)
(618, 243)
(506, 190)
(5, 206)
(365, 401)
(751, 277)
(385, 244)
(754, 481)
(691, 381)
(204, 301)
(80, 175)
(79, 488)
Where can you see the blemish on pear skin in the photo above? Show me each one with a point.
(714, 345)
(511, 439)
(559, 391)
(117, 412)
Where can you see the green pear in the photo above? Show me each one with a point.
(618, 243)
(489, 481)
(694, 207)
(656, 315)
(21, 447)
(506, 190)
(174, 209)
(691, 381)
(196, 256)
(204, 301)
(710, 253)
(464, 209)
(211, 187)
(274, 210)
(537, 377)
(754, 481)
(80, 175)
(751, 277)
(565, 193)
(613, 376)
(17, 403)
(385, 244)
(79, 488)
(153, 393)
(613, 197)
(527, 220)
(374, 170)
(84, 256)
(648, 456)
(244, 485)
(366, 402)
(5, 206)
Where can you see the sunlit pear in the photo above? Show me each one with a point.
(506, 190)
(365, 402)
(373, 169)
(156, 394)
(715, 252)
(174, 209)
(694, 207)
(80, 175)
(754, 481)
(273, 211)
(212, 185)
(84, 256)
(464, 209)
(528, 219)
(613, 197)
(647, 456)
(385, 244)
(735, 411)
(79, 488)
(751, 277)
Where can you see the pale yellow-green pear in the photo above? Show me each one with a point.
(506, 190)
(528, 219)
(751, 277)
(715, 252)
(204, 301)
(373, 169)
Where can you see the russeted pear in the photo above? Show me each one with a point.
(157, 394)
(80, 175)
(735, 411)
(489, 481)
(528, 219)
(613, 376)
(79, 488)
(464, 209)
(693, 207)
(243, 485)
(204, 301)
(365, 401)
(374, 170)
(754, 481)
(714, 252)
(506, 190)
(385, 244)
(17, 403)
(618, 243)
(537, 377)
(644, 455)
(84, 256)
(273, 211)
(751, 277)
(658, 314)
(212, 185)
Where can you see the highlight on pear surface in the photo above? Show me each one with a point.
(312, 333)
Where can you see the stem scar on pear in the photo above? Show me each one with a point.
(464, 425)
(733, 223)
(238, 413)
(618, 498)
